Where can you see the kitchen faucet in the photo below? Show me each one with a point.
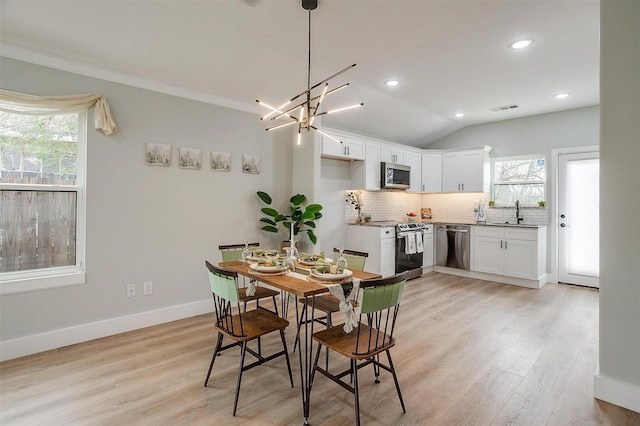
(518, 217)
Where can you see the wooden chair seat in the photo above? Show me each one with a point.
(261, 293)
(336, 339)
(255, 323)
(326, 303)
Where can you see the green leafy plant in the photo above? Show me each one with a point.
(542, 203)
(302, 218)
(492, 203)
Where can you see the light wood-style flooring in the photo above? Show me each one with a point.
(469, 352)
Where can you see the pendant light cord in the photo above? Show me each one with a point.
(309, 70)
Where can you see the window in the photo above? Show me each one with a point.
(518, 178)
(42, 193)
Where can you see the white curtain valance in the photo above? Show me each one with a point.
(19, 103)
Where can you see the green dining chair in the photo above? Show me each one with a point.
(327, 303)
(231, 252)
(241, 327)
(379, 309)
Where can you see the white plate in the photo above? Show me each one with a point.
(263, 268)
(332, 277)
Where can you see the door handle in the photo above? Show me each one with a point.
(562, 216)
(563, 225)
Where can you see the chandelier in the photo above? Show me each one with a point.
(306, 105)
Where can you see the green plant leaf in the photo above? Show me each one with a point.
(314, 208)
(265, 197)
(310, 224)
(280, 217)
(312, 236)
(317, 216)
(267, 220)
(270, 229)
(297, 199)
(269, 212)
(307, 215)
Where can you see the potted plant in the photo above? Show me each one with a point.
(302, 220)
(492, 203)
(542, 203)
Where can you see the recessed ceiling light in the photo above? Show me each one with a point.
(392, 83)
(458, 114)
(521, 44)
(562, 95)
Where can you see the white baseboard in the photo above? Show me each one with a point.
(622, 394)
(81, 333)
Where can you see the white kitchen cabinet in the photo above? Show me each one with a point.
(510, 251)
(348, 148)
(393, 154)
(428, 245)
(372, 166)
(431, 172)
(466, 171)
(379, 242)
(414, 160)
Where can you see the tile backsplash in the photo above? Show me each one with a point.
(449, 207)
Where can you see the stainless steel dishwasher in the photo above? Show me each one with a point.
(452, 246)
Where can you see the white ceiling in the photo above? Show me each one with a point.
(449, 56)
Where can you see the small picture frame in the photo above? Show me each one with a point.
(158, 154)
(251, 163)
(190, 158)
(220, 161)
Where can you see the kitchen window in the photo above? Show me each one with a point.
(520, 178)
(42, 190)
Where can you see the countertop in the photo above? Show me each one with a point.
(386, 223)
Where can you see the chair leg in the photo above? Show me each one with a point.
(395, 379)
(235, 401)
(213, 358)
(354, 372)
(286, 355)
(329, 325)
(275, 305)
(376, 369)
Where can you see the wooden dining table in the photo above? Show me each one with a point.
(300, 288)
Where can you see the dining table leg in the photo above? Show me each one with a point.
(306, 360)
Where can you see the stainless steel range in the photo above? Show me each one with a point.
(410, 247)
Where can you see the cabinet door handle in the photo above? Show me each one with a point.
(500, 243)
(463, 186)
(505, 245)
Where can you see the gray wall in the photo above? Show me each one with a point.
(538, 134)
(149, 223)
(620, 203)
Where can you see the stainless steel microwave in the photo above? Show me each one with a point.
(394, 176)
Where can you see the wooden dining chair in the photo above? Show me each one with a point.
(377, 320)
(241, 327)
(232, 252)
(327, 303)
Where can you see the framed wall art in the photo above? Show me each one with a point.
(158, 154)
(220, 161)
(190, 158)
(251, 163)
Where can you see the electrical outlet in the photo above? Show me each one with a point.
(148, 288)
(131, 290)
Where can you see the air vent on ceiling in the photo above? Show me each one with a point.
(503, 108)
(250, 2)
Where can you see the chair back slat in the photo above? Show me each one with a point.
(355, 259)
(232, 252)
(379, 306)
(225, 293)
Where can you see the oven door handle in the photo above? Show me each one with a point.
(404, 234)
(457, 230)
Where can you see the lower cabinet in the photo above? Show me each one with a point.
(379, 242)
(512, 252)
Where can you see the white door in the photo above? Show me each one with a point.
(578, 219)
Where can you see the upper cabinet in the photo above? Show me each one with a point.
(349, 148)
(392, 154)
(431, 172)
(414, 160)
(466, 170)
